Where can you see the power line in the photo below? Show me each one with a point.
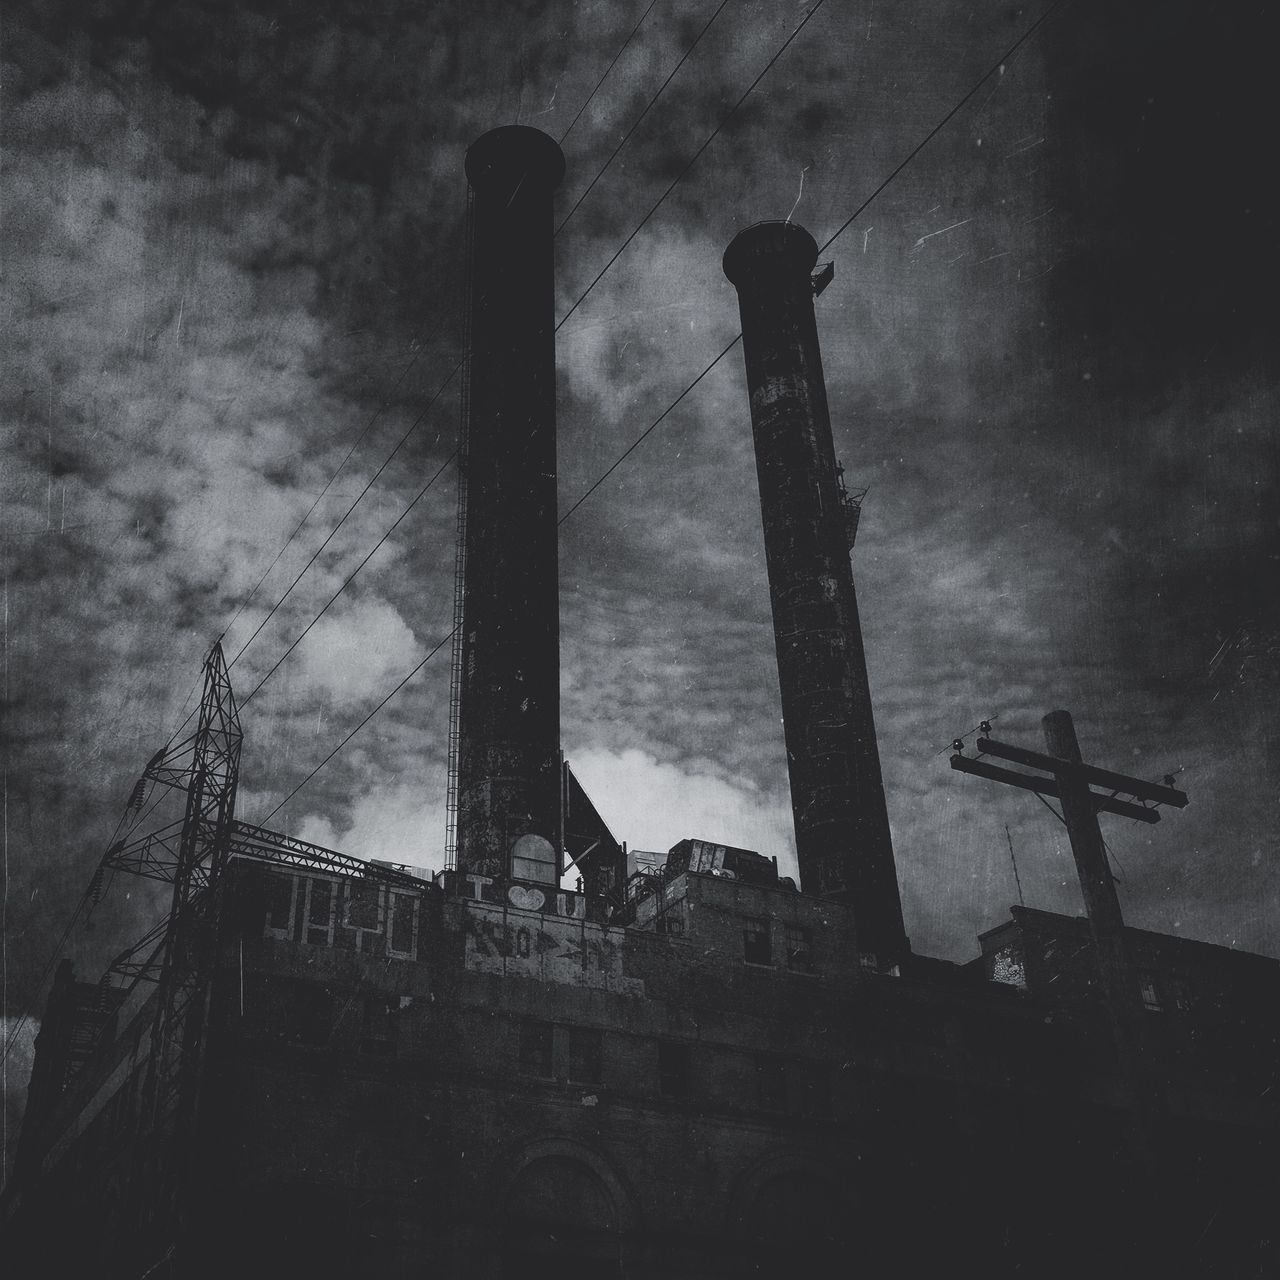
(377, 413)
(440, 645)
(373, 551)
(648, 107)
(635, 444)
(413, 426)
(644, 435)
(711, 137)
(607, 70)
(405, 371)
(12, 1038)
(724, 352)
(937, 128)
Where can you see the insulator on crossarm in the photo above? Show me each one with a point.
(95, 888)
(138, 794)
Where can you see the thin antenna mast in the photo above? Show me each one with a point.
(1012, 858)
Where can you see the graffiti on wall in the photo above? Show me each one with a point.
(550, 948)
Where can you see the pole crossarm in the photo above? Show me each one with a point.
(1050, 787)
(1087, 773)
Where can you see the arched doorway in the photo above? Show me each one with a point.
(558, 1211)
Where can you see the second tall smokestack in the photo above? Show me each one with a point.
(509, 696)
(837, 796)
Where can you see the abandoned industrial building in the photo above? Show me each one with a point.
(320, 1065)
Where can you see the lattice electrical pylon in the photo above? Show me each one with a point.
(192, 858)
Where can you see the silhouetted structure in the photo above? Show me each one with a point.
(704, 1071)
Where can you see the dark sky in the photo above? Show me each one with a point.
(232, 241)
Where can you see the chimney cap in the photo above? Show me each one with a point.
(772, 248)
(508, 157)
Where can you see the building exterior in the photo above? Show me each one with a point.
(328, 1067)
(466, 1078)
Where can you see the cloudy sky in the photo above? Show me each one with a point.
(231, 251)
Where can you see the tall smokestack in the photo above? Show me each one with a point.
(509, 693)
(837, 796)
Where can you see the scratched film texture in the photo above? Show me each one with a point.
(232, 242)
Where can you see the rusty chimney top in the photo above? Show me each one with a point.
(837, 795)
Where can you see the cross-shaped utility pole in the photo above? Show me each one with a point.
(1072, 781)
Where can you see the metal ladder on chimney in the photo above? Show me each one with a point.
(460, 563)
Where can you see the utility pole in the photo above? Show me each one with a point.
(1097, 884)
(1072, 781)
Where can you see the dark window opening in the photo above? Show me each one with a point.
(670, 923)
(400, 933)
(675, 1062)
(584, 1055)
(364, 905)
(320, 912)
(799, 943)
(755, 941)
(535, 1047)
(278, 898)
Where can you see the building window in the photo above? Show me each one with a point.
(535, 1047)
(771, 1084)
(755, 941)
(278, 897)
(584, 1055)
(402, 933)
(321, 904)
(799, 942)
(675, 1062)
(533, 858)
(363, 907)
(671, 921)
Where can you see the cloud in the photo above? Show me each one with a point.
(653, 804)
(233, 245)
(399, 822)
(357, 651)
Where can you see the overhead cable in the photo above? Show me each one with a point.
(636, 123)
(710, 138)
(621, 50)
